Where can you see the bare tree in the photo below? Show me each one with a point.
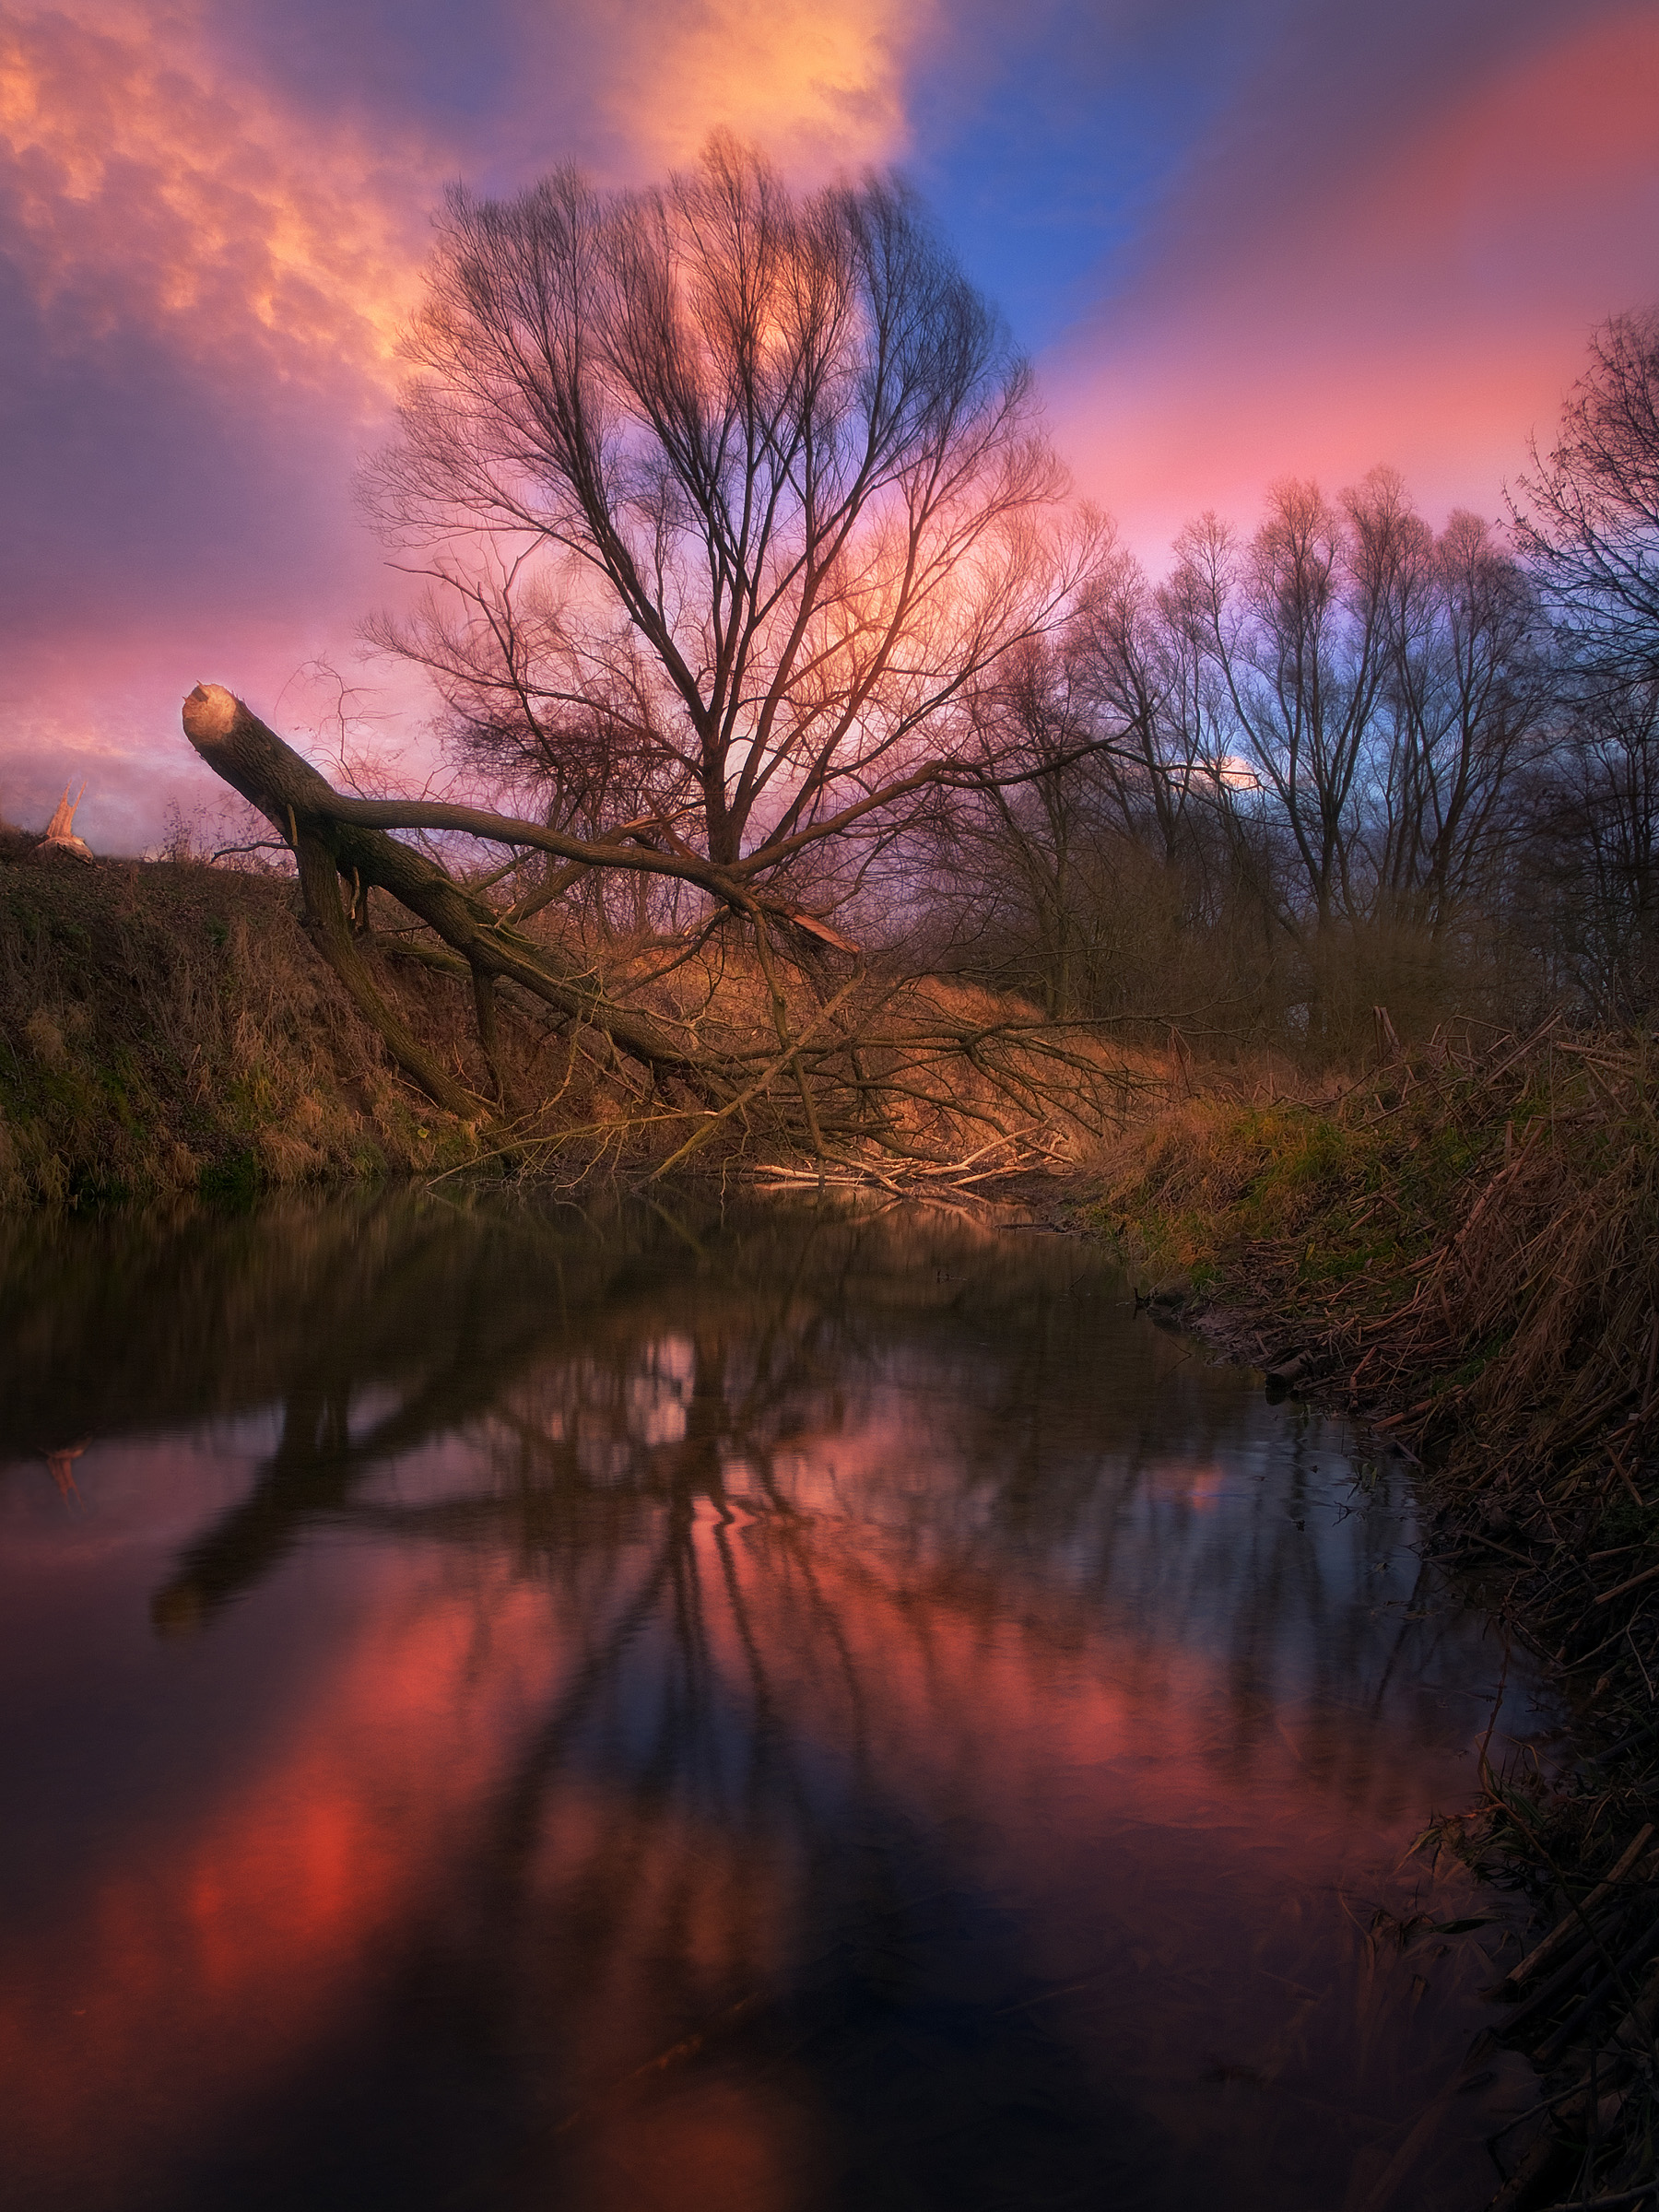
(1297, 625)
(1137, 663)
(1591, 854)
(1303, 755)
(1010, 859)
(1462, 708)
(1104, 884)
(1588, 526)
(742, 490)
(1590, 521)
(732, 506)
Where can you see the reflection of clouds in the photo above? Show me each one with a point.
(609, 1638)
(657, 1398)
(928, 1481)
(608, 1412)
(198, 1957)
(1200, 1487)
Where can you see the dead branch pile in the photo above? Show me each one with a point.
(759, 1033)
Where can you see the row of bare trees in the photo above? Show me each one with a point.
(1343, 759)
(754, 599)
(1320, 731)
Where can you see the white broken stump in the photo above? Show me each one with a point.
(60, 830)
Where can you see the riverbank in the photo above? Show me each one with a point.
(1462, 1252)
(169, 1029)
(165, 1028)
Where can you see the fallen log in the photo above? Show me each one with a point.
(334, 837)
(917, 1087)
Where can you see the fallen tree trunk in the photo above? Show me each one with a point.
(331, 934)
(889, 1078)
(334, 837)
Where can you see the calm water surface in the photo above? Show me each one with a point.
(780, 1711)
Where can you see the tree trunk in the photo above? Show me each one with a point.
(324, 827)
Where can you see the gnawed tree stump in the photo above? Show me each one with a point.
(60, 839)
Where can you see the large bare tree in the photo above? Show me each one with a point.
(726, 499)
(732, 504)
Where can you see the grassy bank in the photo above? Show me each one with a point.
(166, 1026)
(1463, 1251)
(169, 1026)
(1466, 1250)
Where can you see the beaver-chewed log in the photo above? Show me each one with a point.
(333, 835)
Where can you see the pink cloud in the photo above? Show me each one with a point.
(818, 86)
(210, 280)
(210, 253)
(145, 187)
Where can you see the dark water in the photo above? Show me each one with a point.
(504, 1709)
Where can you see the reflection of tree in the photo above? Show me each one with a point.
(60, 1465)
(790, 1488)
(610, 1387)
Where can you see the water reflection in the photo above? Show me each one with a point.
(786, 1710)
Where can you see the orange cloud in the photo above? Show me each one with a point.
(817, 86)
(144, 188)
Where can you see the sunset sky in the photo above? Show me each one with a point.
(1241, 238)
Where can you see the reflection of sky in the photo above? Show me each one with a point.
(1241, 239)
(749, 1611)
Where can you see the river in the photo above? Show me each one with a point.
(710, 1709)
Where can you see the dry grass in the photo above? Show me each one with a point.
(1472, 1240)
(168, 1026)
